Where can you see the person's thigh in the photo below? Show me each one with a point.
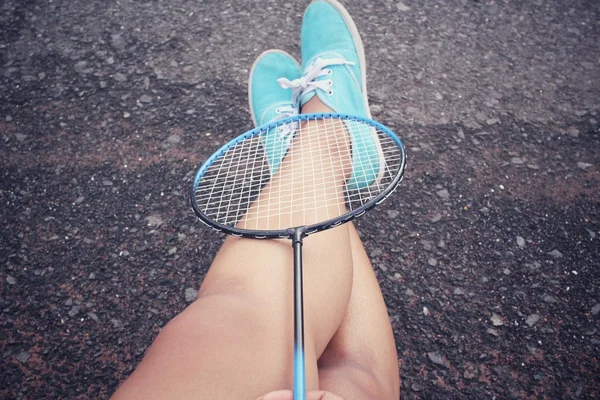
(361, 361)
(236, 340)
(221, 347)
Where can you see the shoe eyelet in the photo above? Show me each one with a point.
(330, 82)
(278, 110)
(330, 92)
(329, 72)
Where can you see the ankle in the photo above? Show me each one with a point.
(315, 105)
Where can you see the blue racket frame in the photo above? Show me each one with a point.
(297, 234)
(310, 229)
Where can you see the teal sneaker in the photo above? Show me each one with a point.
(269, 101)
(335, 70)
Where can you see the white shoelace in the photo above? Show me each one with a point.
(286, 131)
(301, 86)
(308, 82)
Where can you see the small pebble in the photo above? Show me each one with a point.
(23, 356)
(190, 294)
(555, 253)
(174, 139)
(74, 311)
(573, 131)
(496, 320)
(417, 387)
(584, 165)
(443, 194)
(520, 241)
(549, 299)
(11, 280)
(532, 319)
(393, 213)
(402, 7)
(119, 77)
(154, 220)
(376, 252)
(375, 109)
(436, 358)
(493, 332)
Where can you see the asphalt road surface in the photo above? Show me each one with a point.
(488, 255)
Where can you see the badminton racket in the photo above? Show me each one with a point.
(295, 177)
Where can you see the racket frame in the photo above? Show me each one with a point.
(310, 229)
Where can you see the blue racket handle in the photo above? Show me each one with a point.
(299, 359)
(299, 375)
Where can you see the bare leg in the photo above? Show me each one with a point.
(361, 361)
(235, 341)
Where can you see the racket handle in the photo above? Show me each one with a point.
(299, 359)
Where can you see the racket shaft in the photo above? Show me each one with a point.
(299, 358)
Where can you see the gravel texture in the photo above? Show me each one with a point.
(488, 255)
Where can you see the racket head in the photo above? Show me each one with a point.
(214, 177)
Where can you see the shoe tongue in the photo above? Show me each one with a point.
(307, 97)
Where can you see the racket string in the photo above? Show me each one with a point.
(231, 186)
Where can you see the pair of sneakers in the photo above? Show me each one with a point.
(333, 68)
